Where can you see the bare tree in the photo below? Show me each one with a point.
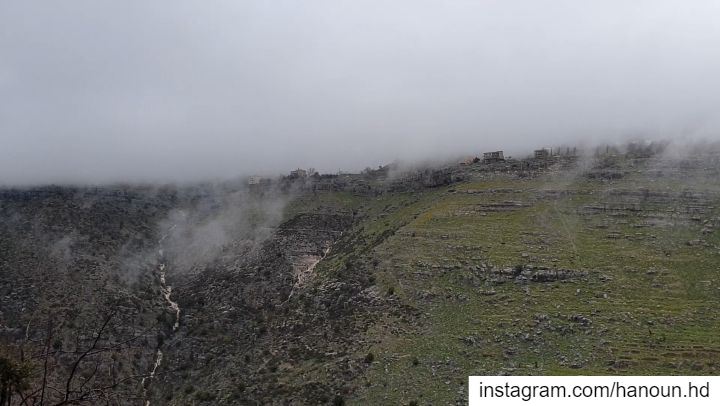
(82, 384)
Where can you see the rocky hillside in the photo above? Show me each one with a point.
(386, 287)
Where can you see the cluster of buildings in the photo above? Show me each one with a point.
(488, 157)
(499, 156)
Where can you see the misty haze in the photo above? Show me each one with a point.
(354, 202)
(102, 91)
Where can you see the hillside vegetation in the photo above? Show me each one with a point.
(387, 287)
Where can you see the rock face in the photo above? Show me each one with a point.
(254, 323)
(526, 273)
(249, 316)
(72, 259)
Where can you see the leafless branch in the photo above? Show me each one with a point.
(68, 385)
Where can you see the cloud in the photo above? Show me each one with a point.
(193, 236)
(103, 91)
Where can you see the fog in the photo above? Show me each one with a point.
(107, 91)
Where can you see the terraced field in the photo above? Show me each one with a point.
(559, 274)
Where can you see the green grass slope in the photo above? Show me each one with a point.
(638, 290)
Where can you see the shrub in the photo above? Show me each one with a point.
(204, 396)
(13, 376)
(369, 358)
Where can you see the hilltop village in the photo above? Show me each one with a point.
(397, 177)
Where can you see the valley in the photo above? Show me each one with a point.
(385, 287)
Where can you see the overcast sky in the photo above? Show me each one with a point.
(101, 91)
